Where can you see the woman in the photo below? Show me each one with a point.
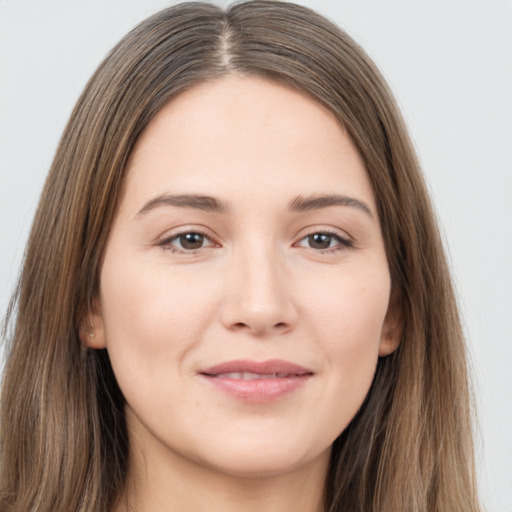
(234, 295)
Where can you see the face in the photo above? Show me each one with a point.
(245, 287)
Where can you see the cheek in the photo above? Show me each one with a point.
(349, 308)
(348, 327)
(152, 319)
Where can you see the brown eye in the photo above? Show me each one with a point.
(320, 241)
(191, 241)
(187, 242)
(325, 242)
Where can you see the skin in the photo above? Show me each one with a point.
(258, 287)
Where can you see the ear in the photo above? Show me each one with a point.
(92, 328)
(392, 328)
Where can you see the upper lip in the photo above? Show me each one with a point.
(271, 366)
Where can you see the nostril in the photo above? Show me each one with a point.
(242, 325)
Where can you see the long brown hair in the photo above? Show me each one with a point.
(64, 444)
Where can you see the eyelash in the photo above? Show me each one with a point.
(166, 243)
(342, 243)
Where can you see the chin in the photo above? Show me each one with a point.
(272, 460)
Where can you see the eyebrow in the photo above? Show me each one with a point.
(199, 202)
(315, 202)
(214, 205)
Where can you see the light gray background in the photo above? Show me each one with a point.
(450, 66)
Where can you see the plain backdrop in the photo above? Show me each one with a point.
(449, 63)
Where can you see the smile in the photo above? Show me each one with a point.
(252, 376)
(255, 381)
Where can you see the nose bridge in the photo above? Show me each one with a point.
(258, 298)
(261, 278)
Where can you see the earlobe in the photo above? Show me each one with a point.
(392, 329)
(92, 332)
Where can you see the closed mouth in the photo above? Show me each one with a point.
(244, 369)
(252, 376)
(256, 381)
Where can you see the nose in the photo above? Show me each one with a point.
(258, 299)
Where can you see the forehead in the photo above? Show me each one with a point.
(239, 135)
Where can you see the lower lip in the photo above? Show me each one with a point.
(258, 390)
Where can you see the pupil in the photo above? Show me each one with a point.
(320, 241)
(191, 241)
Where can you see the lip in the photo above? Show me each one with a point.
(263, 380)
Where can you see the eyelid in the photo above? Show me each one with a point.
(345, 240)
(165, 240)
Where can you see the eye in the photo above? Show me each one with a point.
(324, 242)
(189, 241)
